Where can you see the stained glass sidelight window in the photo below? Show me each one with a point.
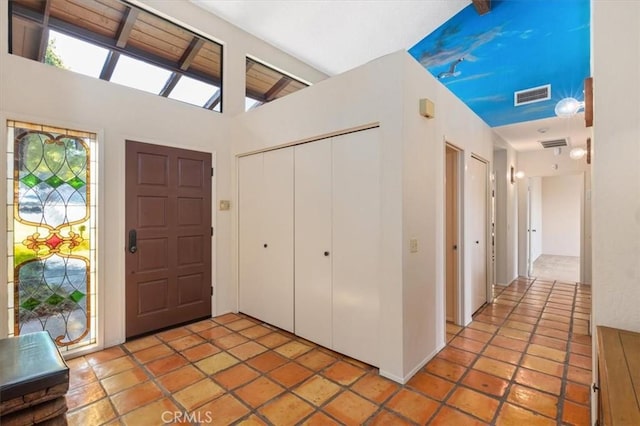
(52, 233)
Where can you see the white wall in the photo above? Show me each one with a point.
(506, 211)
(539, 164)
(40, 93)
(423, 206)
(616, 175)
(561, 213)
(386, 91)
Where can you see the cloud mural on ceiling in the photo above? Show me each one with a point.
(518, 45)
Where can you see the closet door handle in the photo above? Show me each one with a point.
(266, 245)
(326, 253)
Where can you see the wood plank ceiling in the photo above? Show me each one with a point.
(125, 29)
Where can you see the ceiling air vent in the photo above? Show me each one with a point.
(529, 96)
(554, 143)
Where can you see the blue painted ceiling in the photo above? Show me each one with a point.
(519, 44)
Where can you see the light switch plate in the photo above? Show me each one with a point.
(413, 245)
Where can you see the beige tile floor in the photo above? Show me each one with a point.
(524, 360)
(563, 268)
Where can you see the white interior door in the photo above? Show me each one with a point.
(277, 230)
(251, 256)
(356, 244)
(534, 228)
(478, 232)
(313, 245)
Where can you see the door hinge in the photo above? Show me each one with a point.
(212, 290)
(212, 231)
(212, 172)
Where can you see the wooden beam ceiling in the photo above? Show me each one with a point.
(44, 35)
(184, 64)
(124, 31)
(126, 26)
(482, 6)
(277, 88)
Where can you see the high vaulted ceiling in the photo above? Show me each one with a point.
(335, 36)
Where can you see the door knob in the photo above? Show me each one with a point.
(133, 239)
(477, 242)
(265, 245)
(326, 253)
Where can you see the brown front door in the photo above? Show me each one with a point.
(168, 236)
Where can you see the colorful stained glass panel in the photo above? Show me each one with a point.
(52, 242)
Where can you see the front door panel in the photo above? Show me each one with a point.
(168, 225)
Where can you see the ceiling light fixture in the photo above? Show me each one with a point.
(568, 107)
(577, 153)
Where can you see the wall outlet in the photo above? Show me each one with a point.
(413, 245)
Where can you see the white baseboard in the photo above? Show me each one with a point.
(414, 370)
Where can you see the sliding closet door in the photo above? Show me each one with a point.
(251, 258)
(277, 230)
(313, 252)
(356, 244)
(265, 183)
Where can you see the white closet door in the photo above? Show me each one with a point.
(356, 244)
(251, 256)
(478, 232)
(313, 252)
(277, 244)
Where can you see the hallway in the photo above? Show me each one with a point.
(524, 360)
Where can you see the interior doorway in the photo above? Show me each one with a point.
(168, 224)
(452, 232)
(554, 227)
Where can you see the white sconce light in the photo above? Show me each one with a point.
(515, 175)
(577, 153)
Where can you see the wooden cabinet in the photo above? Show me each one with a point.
(266, 237)
(334, 185)
(619, 377)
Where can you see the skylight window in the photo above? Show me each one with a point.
(194, 92)
(139, 75)
(116, 41)
(265, 84)
(77, 55)
(250, 103)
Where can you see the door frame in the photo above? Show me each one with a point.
(458, 289)
(584, 231)
(214, 217)
(487, 224)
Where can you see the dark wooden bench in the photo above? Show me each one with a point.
(34, 380)
(619, 377)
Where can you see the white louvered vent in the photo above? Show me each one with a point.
(554, 143)
(534, 94)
